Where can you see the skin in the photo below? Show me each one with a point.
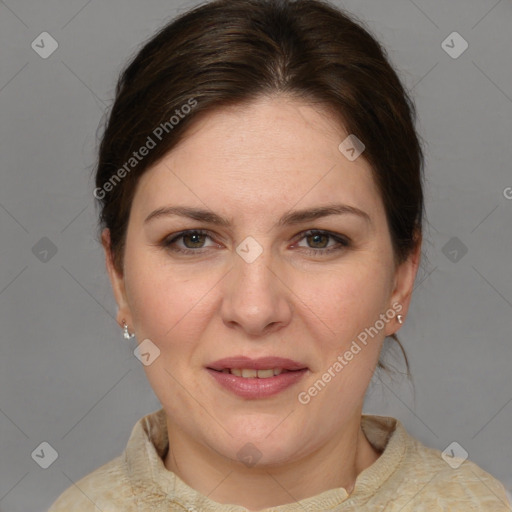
(252, 164)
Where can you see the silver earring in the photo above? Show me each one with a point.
(126, 334)
(400, 319)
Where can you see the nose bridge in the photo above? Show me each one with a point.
(255, 297)
(252, 265)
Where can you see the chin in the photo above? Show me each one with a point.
(262, 443)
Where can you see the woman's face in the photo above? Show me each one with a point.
(260, 284)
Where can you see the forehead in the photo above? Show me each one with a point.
(265, 156)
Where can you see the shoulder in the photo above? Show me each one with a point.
(99, 491)
(412, 477)
(123, 482)
(442, 482)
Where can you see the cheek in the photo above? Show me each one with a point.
(168, 306)
(344, 301)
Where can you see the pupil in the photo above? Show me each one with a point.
(316, 238)
(195, 236)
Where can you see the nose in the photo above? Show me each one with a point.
(256, 299)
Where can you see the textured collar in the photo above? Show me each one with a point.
(152, 482)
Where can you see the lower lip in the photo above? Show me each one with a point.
(254, 387)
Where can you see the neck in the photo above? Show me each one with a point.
(337, 463)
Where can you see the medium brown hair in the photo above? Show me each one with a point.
(229, 52)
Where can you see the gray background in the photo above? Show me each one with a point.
(67, 377)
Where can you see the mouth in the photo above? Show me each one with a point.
(256, 378)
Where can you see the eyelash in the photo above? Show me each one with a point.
(343, 242)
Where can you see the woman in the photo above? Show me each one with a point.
(260, 185)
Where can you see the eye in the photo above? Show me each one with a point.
(320, 239)
(193, 240)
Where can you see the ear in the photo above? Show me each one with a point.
(117, 282)
(405, 275)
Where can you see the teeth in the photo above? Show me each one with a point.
(250, 373)
(265, 374)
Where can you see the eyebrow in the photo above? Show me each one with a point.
(288, 219)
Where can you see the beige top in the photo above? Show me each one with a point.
(407, 477)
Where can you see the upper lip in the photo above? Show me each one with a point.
(260, 363)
